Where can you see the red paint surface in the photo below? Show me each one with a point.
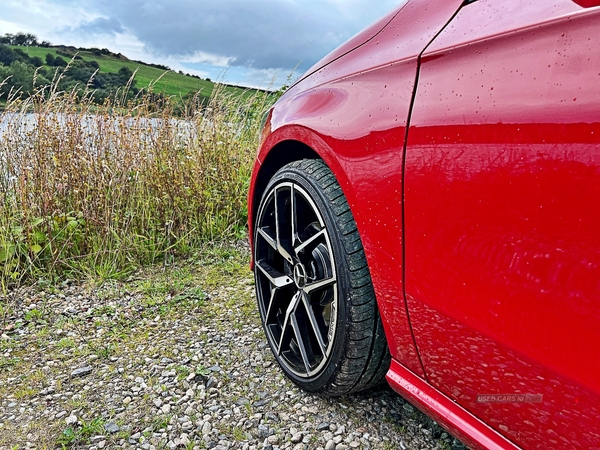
(587, 3)
(503, 217)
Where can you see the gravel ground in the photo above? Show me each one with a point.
(173, 358)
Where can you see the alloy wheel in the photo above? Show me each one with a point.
(296, 279)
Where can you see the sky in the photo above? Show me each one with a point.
(254, 43)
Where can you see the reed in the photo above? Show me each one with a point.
(98, 190)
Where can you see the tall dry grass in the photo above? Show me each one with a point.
(99, 190)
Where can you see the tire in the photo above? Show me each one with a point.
(314, 290)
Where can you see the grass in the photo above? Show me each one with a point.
(66, 343)
(81, 434)
(97, 191)
(170, 83)
(6, 363)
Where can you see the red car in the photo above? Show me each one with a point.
(425, 206)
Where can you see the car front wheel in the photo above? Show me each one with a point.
(314, 290)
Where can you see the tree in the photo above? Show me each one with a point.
(37, 61)
(60, 62)
(24, 39)
(124, 75)
(7, 56)
(7, 39)
(21, 55)
(50, 59)
(19, 78)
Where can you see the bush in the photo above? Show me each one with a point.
(59, 62)
(7, 56)
(37, 61)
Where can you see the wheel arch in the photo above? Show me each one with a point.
(292, 143)
(283, 153)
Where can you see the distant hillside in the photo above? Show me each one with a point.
(169, 83)
(26, 63)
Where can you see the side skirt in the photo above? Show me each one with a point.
(458, 421)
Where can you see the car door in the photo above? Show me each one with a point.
(502, 218)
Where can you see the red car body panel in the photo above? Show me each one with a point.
(492, 216)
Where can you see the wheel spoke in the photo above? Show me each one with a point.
(309, 241)
(283, 252)
(271, 302)
(313, 322)
(268, 238)
(318, 284)
(286, 322)
(277, 279)
(300, 342)
(281, 240)
(294, 216)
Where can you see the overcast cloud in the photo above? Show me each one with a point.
(245, 41)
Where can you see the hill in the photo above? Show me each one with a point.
(171, 83)
(164, 80)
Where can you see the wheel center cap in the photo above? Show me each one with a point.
(300, 276)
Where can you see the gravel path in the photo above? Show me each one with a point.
(173, 358)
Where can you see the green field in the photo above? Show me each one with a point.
(169, 83)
